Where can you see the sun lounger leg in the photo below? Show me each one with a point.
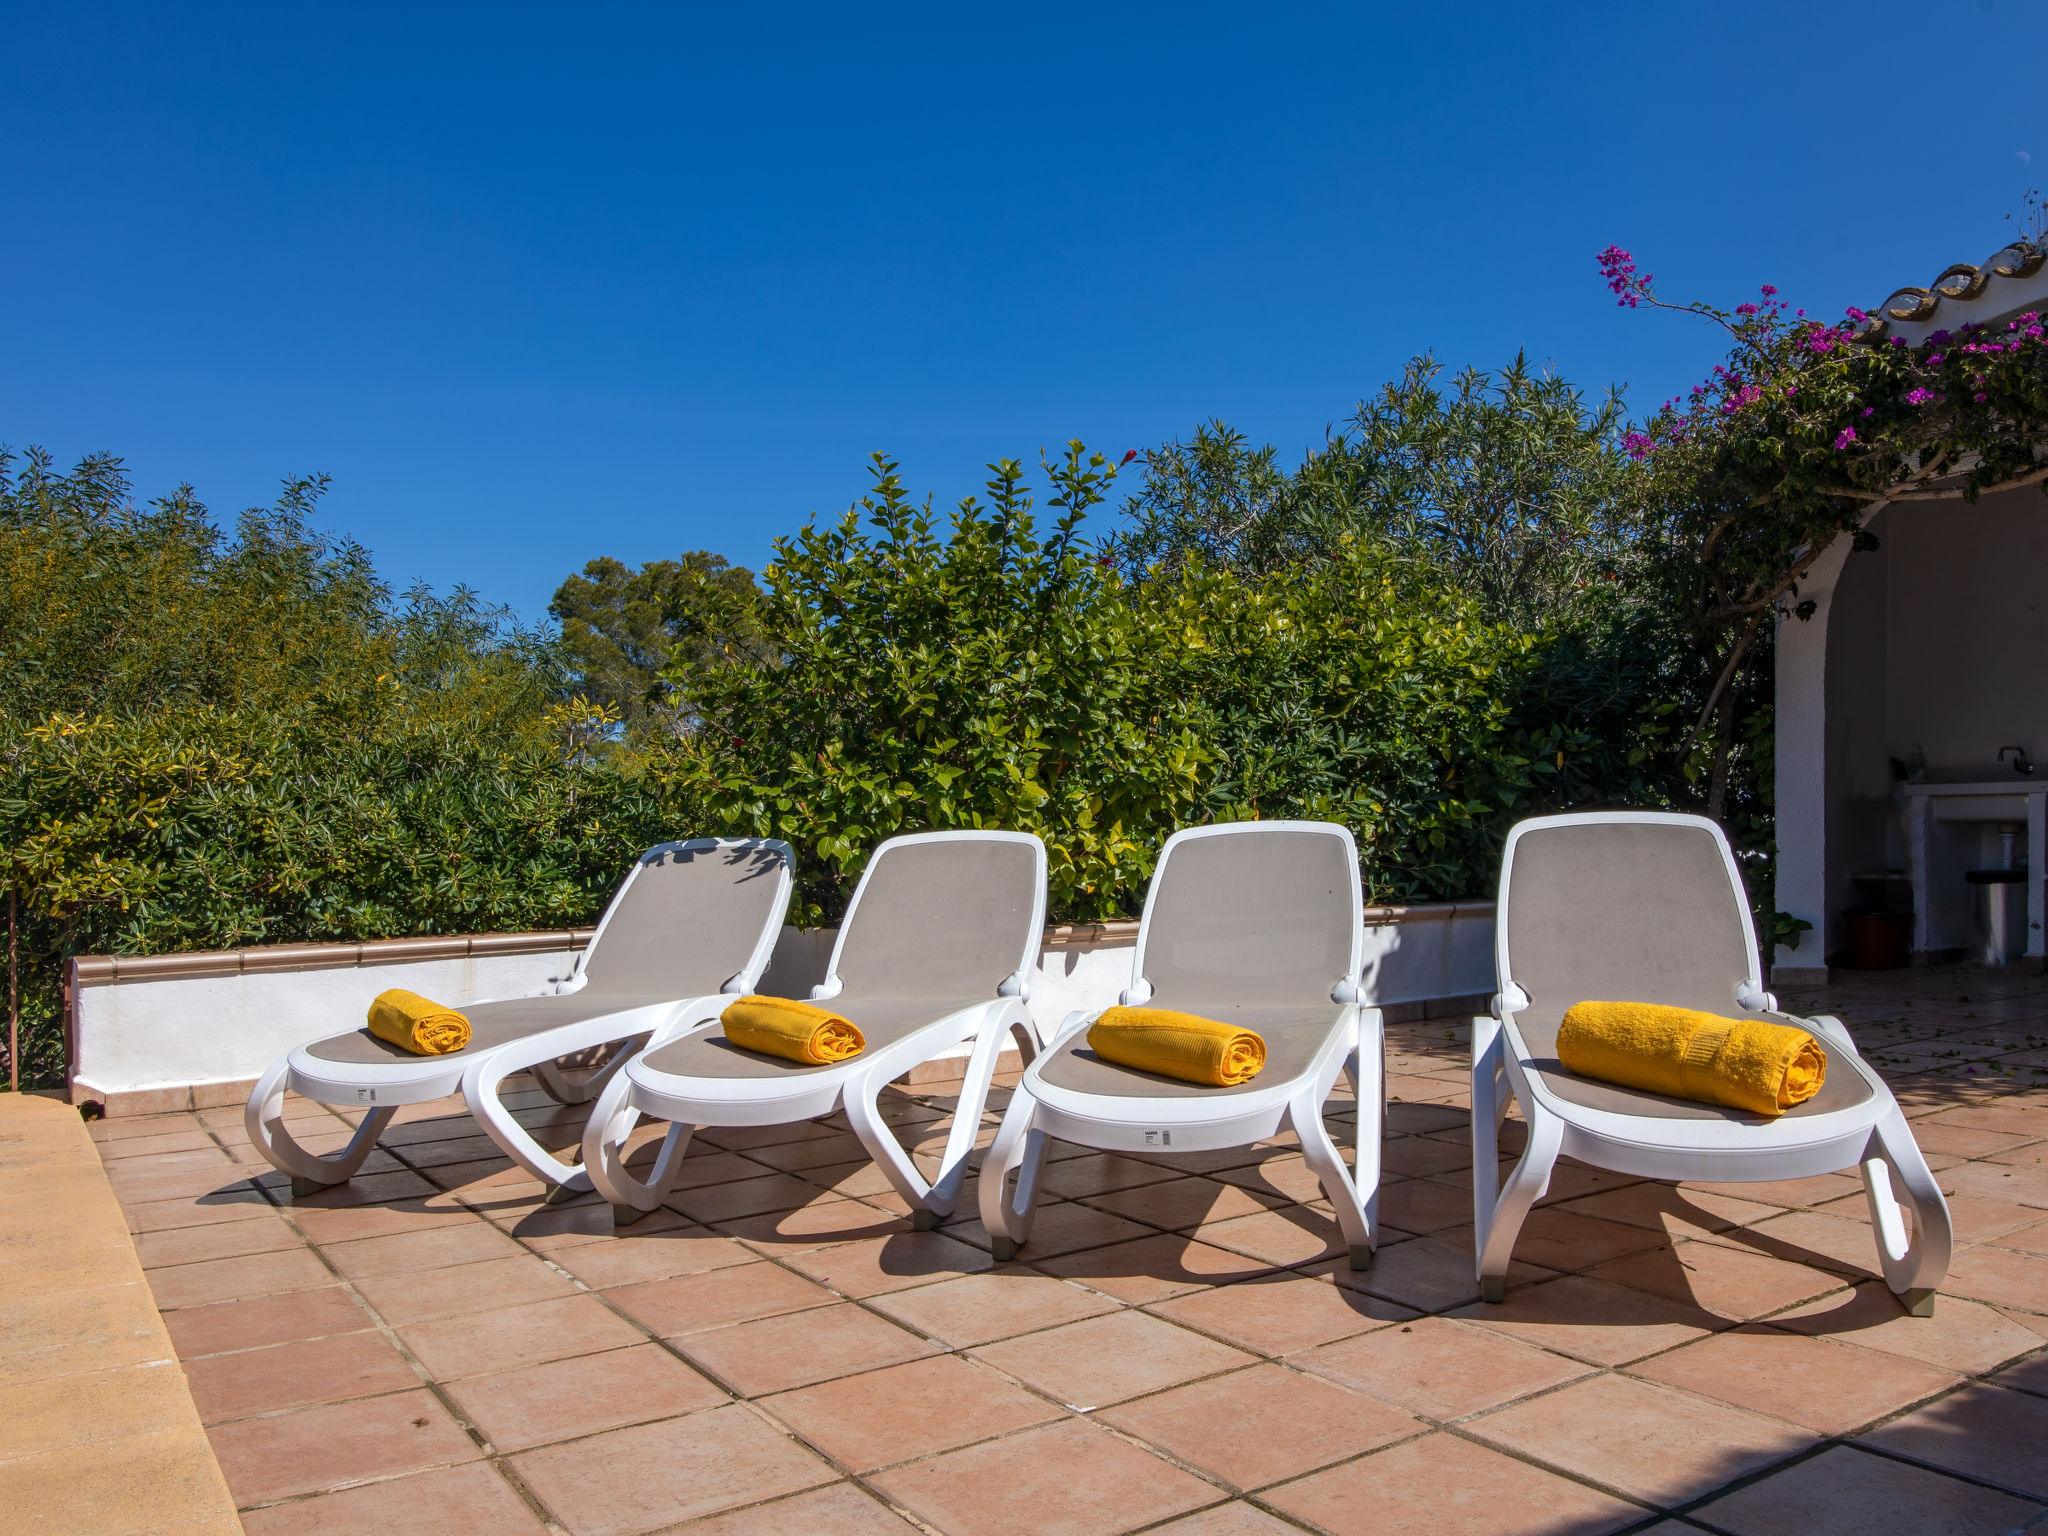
(1306, 1112)
(1019, 1147)
(1499, 1221)
(1914, 1237)
(480, 1085)
(263, 1118)
(604, 1145)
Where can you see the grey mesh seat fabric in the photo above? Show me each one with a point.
(936, 949)
(691, 921)
(1259, 924)
(1642, 906)
(685, 922)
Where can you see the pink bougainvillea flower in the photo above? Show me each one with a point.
(1870, 410)
(1768, 291)
(1919, 396)
(1980, 399)
(1848, 436)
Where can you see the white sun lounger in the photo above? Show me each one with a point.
(1259, 924)
(1645, 906)
(937, 948)
(692, 924)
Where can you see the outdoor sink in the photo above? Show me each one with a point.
(1977, 794)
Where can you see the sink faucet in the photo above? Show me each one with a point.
(2021, 763)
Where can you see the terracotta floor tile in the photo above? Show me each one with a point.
(157, 1143)
(354, 1222)
(1097, 1173)
(2028, 1376)
(979, 1309)
(1977, 1220)
(1417, 1155)
(1068, 1228)
(744, 1197)
(540, 1404)
(1440, 1485)
(1644, 1441)
(1438, 1367)
(1255, 1427)
(296, 1375)
(1676, 1210)
(702, 1168)
(741, 1137)
(217, 1240)
(320, 1448)
(509, 1337)
(1153, 1268)
(1570, 1180)
(1591, 1320)
(635, 1258)
(1108, 1359)
(2001, 1276)
(1281, 1313)
(1941, 1134)
(1724, 1281)
(550, 1229)
(1294, 1235)
(1845, 1492)
(2023, 1186)
(1824, 1386)
(717, 1297)
(363, 1189)
(1423, 1205)
(1232, 1519)
(906, 1411)
(1280, 1177)
(197, 1331)
(1429, 1274)
(1181, 1203)
(242, 1204)
(839, 1510)
(775, 1354)
(440, 1247)
(1982, 1432)
(1068, 1479)
(453, 1501)
(877, 1265)
(652, 1475)
(1813, 1238)
(811, 1152)
(824, 1220)
(1961, 1336)
(404, 1299)
(256, 1274)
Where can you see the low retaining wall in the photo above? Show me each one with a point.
(193, 1031)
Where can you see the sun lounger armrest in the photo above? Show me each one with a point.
(1509, 999)
(1754, 999)
(830, 987)
(1137, 994)
(1018, 985)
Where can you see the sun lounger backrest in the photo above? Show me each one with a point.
(1258, 912)
(947, 916)
(690, 917)
(1626, 907)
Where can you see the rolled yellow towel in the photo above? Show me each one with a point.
(1749, 1064)
(417, 1024)
(1182, 1045)
(782, 1026)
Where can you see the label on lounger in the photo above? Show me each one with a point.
(366, 1095)
(1159, 1138)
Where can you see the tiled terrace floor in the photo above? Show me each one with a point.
(433, 1350)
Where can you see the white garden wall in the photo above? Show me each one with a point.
(194, 1031)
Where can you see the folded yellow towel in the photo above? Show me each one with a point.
(1182, 1045)
(782, 1026)
(1749, 1064)
(417, 1024)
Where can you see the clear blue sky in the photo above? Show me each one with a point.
(536, 285)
